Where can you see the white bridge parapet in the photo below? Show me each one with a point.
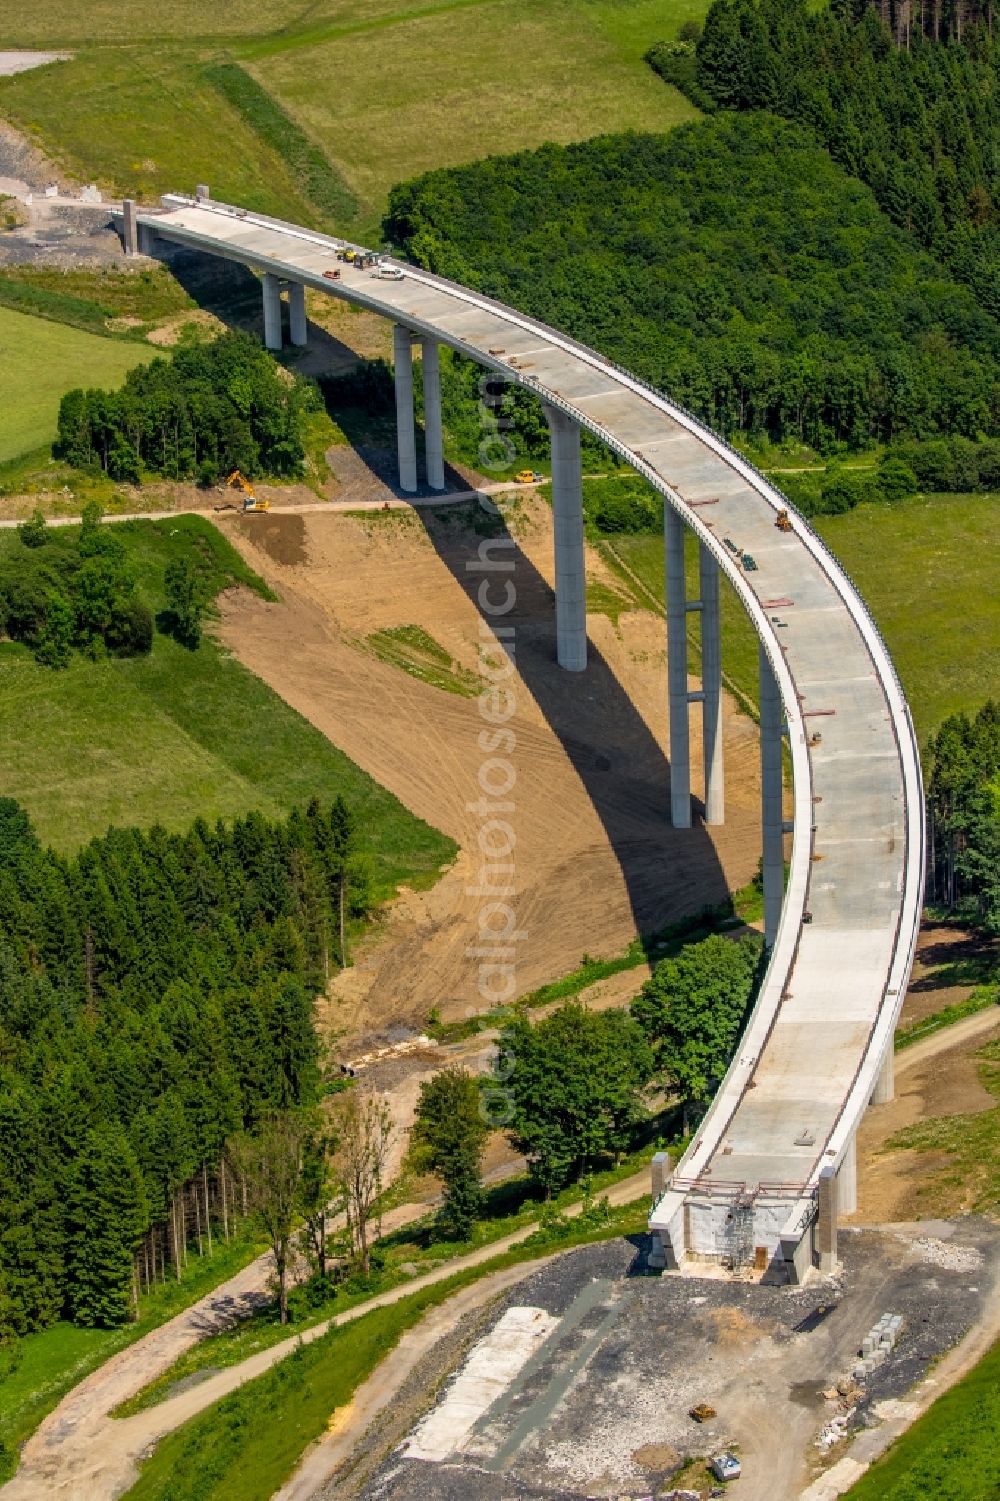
(813, 1050)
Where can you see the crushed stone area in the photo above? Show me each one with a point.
(64, 236)
(63, 232)
(22, 61)
(952, 1258)
(601, 1409)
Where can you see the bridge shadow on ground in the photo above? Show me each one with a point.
(231, 293)
(669, 874)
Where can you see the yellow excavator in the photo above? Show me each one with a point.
(250, 502)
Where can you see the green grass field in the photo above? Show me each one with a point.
(59, 23)
(180, 734)
(141, 121)
(39, 362)
(926, 567)
(385, 89)
(453, 84)
(950, 1452)
(125, 304)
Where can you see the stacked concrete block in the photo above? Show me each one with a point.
(879, 1343)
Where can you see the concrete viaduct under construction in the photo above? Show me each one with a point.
(774, 1159)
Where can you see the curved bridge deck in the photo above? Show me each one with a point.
(840, 962)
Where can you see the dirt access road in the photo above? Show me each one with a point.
(595, 856)
(81, 1454)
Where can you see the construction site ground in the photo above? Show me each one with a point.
(595, 855)
(600, 1408)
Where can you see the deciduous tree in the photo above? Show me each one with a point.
(576, 1081)
(691, 1010)
(269, 1163)
(363, 1125)
(448, 1137)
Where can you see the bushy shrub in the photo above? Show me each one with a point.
(621, 504)
(33, 532)
(130, 629)
(954, 464)
(76, 592)
(896, 480)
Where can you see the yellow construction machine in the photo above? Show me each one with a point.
(250, 502)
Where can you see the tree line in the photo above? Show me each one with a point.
(156, 997)
(207, 409)
(732, 264)
(963, 816)
(904, 96)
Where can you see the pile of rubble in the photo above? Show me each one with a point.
(951, 1258)
(847, 1394)
(836, 1429)
(393, 1050)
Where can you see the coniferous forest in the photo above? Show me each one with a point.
(156, 997)
(963, 816)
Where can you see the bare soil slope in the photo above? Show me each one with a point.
(937, 1076)
(595, 856)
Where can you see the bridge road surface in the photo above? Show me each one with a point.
(824, 1019)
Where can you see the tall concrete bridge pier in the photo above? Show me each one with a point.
(773, 1163)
